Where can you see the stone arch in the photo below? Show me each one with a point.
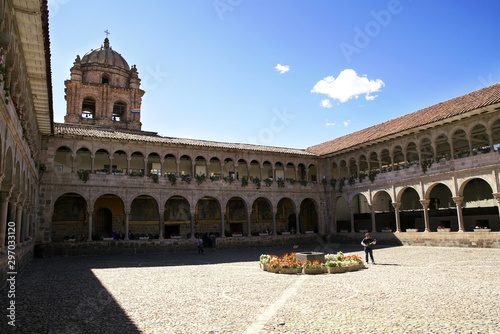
(69, 217)
(63, 160)
(89, 107)
(185, 166)
(208, 215)
(309, 220)
(262, 214)
(237, 215)
(177, 217)
(312, 172)
(144, 216)
(443, 146)
(242, 169)
(425, 148)
(398, 156)
(290, 171)
(254, 169)
(286, 215)
(279, 170)
(480, 140)
(83, 159)
(169, 164)
(214, 168)
(460, 141)
(495, 133)
(119, 111)
(411, 153)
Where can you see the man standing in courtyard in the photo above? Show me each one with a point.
(368, 243)
(199, 244)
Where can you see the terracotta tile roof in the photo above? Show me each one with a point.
(441, 111)
(151, 137)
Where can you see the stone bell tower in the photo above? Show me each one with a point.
(104, 91)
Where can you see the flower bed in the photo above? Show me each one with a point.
(289, 264)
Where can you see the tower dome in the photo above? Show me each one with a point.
(105, 56)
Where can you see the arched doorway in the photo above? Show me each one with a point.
(103, 224)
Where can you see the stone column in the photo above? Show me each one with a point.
(161, 168)
(146, 167)
(458, 201)
(4, 208)
(222, 224)
(192, 223)
(92, 163)
(128, 164)
(396, 206)
(73, 158)
(425, 205)
(126, 225)
(89, 215)
(297, 222)
(222, 170)
(162, 227)
(249, 223)
(110, 169)
(274, 223)
(497, 198)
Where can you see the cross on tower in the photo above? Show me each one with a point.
(107, 33)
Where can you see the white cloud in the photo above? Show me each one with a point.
(346, 123)
(282, 68)
(348, 85)
(326, 103)
(329, 124)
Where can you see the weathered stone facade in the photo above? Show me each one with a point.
(100, 172)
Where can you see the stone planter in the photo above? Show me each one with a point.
(288, 270)
(335, 270)
(313, 271)
(273, 270)
(482, 230)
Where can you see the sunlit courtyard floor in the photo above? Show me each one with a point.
(409, 290)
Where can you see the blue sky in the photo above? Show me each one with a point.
(282, 73)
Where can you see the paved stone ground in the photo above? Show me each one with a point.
(410, 290)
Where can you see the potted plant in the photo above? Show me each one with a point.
(281, 183)
(172, 178)
(268, 182)
(83, 175)
(256, 181)
(244, 181)
(200, 178)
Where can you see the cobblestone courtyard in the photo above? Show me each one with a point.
(410, 290)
